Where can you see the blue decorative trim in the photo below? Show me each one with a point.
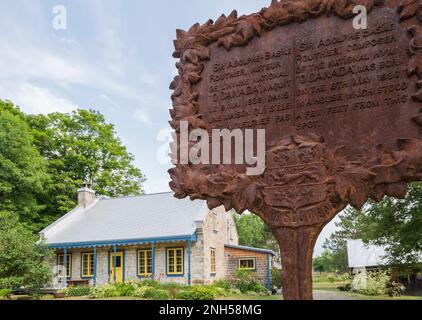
(153, 260)
(189, 261)
(192, 237)
(65, 267)
(182, 275)
(268, 273)
(108, 267)
(95, 266)
(250, 249)
(124, 265)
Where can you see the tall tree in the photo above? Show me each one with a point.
(393, 223)
(23, 171)
(81, 147)
(396, 224)
(349, 227)
(325, 263)
(253, 232)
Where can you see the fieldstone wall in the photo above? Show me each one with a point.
(215, 238)
(233, 255)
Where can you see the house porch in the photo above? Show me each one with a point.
(162, 259)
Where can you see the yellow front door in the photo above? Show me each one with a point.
(118, 269)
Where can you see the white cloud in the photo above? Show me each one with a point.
(34, 99)
(142, 116)
(31, 63)
(21, 63)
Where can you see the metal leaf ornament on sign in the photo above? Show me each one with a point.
(340, 108)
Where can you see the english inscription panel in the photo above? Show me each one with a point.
(322, 77)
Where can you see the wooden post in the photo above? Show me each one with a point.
(65, 267)
(189, 262)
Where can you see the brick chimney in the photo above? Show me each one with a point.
(86, 196)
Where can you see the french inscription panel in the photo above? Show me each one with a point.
(321, 77)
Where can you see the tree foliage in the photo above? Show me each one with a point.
(253, 232)
(393, 223)
(80, 147)
(336, 245)
(44, 159)
(22, 261)
(23, 171)
(396, 224)
(331, 261)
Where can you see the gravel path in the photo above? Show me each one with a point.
(331, 295)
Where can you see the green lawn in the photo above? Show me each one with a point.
(332, 288)
(322, 290)
(332, 294)
(328, 285)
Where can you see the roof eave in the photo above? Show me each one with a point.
(122, 242)
(246, 248)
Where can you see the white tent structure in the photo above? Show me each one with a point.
(362, 256)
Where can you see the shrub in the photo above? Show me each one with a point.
(371, 283)
(170, 286)
(246, 281)
(76, 291)
(23, 261)
(331, 278)
(395, 289)
(149, 283)
(235, 292)
(5, 293)
(258, 288)
(346, 287)
(221, 292)
(140, 291)
(157, 294)
(276, 278)
(126, 289)
(106, 291)
(225, 284)
(198, 293)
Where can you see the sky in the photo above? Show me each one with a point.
(113, 56)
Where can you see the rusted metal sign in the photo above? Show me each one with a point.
(340, 108)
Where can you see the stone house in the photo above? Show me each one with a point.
(111, 240)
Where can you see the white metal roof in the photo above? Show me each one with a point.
(361, 255)
(140, 217)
